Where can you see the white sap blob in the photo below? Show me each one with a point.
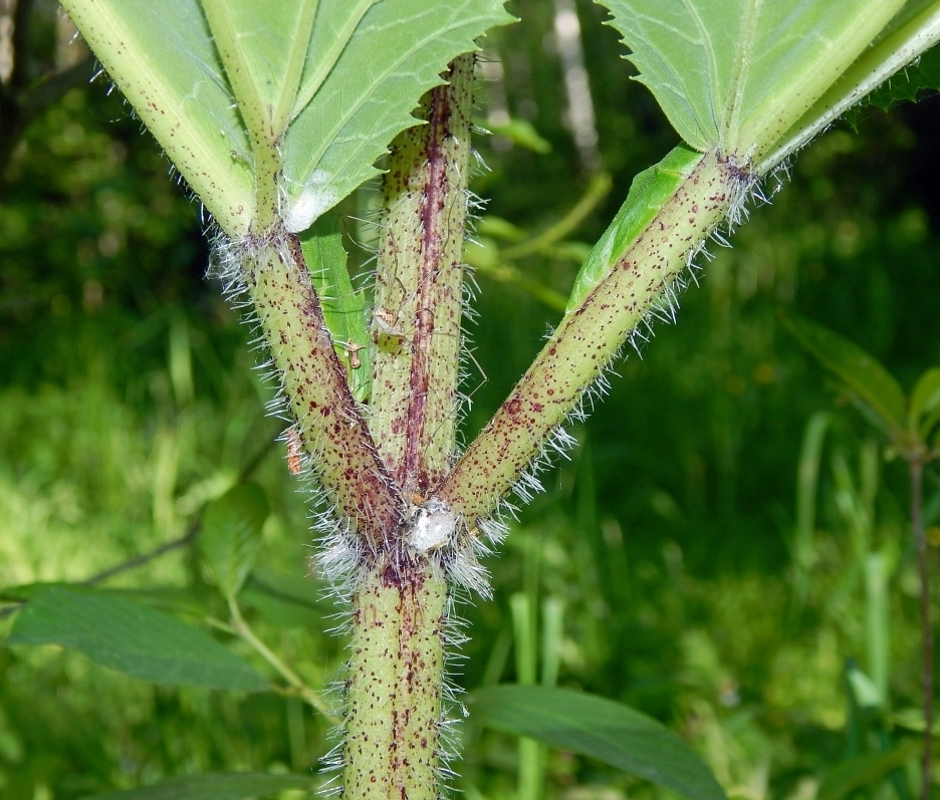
(435, 527)
(299, 213)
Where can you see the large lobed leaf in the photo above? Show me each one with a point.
(600, 728)
(393, 55)
(913, 30)
(757, 79)
(161, 56)
(322, 85)
(131, 638)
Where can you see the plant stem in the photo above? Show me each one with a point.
(394, 688)
(243, 629)
(358, 488)
(395, 683)
(419, 277)
(587, 340)
(916, 474)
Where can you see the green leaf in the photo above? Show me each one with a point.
(131, 638)
(164, 598)
(599, 728)
(520, 132)
(161, 56)
(648, 192)
(909, 34)
(344, 309)
(213, 786)
(26, 591)
(231, 535)
(715, 66)
(870, 383)
(906, 86)
(913, 720)
(368, 63)
(925, 403)
(864, 770)
(266, 50)
(313, 90)
(864, 690)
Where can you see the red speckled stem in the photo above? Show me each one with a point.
(586, 341)
(416, 328)
(395, 683)
(345, 459)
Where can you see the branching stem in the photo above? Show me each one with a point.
(357, 485)
(588, 339)
(244, 630)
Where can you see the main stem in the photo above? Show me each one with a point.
(395, 685)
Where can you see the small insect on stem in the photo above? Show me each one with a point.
(352, 351)
(295, 452)
(385, 321)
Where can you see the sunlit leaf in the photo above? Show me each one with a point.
(131, 638)
(161, 56)
(596, 727)
(271, 41)
(368, 63)
(239, 92)
(213, 786)
(715, 66)
(911, 32)
(869, 382)
(231, 535)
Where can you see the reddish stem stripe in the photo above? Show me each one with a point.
(418, 293)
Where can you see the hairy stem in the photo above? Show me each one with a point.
(395, 683)
(588, 338)
(358, 487)
(416, 322)
(392, 743)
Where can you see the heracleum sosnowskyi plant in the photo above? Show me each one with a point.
(273, 113)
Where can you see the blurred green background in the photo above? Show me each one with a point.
(671, 543)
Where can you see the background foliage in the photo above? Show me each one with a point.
(671, 539)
